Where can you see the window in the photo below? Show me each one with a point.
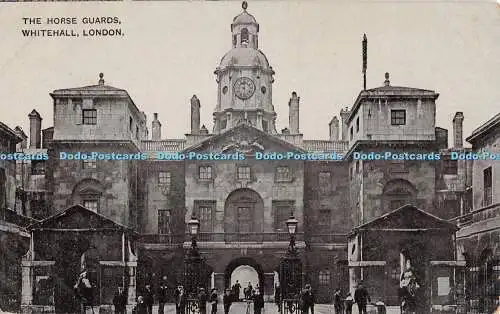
(282, 211)
(234, 40)
(398, 117)
(357, 124)
(325, 181)
(89, 116)
(352, 133)
(91, 204)
(205, 173)
(137, 132)
(324, 278)
(165, 181)
(164, 221)
(244, 35)
(89, 164)
(37, 167)
(205, 214)
(130, 124)
(324, 219)
(265, 126)
(243, 173)
(283, 174)
(223, 124)
(357, 166)
(245, 219)
(450, 166)
(487, 178)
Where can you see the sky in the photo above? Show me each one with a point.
(170, 50)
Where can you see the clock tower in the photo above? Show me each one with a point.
(244, 80)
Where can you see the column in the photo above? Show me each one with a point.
(131, 267)
(268, 287)
(219, 284)
(27, 280)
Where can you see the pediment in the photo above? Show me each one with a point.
(77, 217)
(408, 217)
(244, 139)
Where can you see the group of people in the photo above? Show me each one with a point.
(252, 296)
(344, 305)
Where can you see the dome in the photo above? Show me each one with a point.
(244, 57)
(244, 18)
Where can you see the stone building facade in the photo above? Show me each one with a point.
(242, 204)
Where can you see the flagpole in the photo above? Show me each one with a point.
(365, 47)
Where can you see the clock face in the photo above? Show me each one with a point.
(244, 88)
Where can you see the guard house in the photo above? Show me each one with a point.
(381, 250)
(64, 245)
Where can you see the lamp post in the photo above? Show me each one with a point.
(192, 261)
(290, 272)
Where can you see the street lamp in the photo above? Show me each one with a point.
(291, 225)
(193, 226)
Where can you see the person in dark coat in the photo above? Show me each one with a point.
(214, 300)
(84, 291)
(120, 301)
(307, 300)
(258, 302)
(141, 307)
(148, 299)
(202, 301)
(277, 297)
(227, 300)
(361, 298)
(236, 291)
(337, 301)
(180, 300)
(162, 297)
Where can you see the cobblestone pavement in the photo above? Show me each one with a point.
(270, 308)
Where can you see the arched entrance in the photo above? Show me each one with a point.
(244, 270)
(243, 214)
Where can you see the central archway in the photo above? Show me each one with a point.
(244, 268)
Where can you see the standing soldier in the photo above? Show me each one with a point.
(148, 299)
(214, 300)
(202, 301)
(361, 298)
(120, 301)
(227, 300)
(162, 296)
(84, 291)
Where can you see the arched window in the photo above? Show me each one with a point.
(398, 193)
(244, 35)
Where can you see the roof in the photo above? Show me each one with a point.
(243, 56)
(78, 217)
(407, 217)
(483, 129)
(9, 132)
(238, 130)
(244, 18)
(391, 91)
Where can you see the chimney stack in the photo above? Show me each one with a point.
(35, 129)
(195, 115)
(156, 128)
(458, 130)
(293, 115)
(344, 115)
(334, 129)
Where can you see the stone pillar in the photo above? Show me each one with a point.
(35, 129)
(155, 128)
(219, 284)
(195, 115)
(269, 287)
(293, 114)
(132, 272)
(334, 129)
(27, 280)
(458, 121)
